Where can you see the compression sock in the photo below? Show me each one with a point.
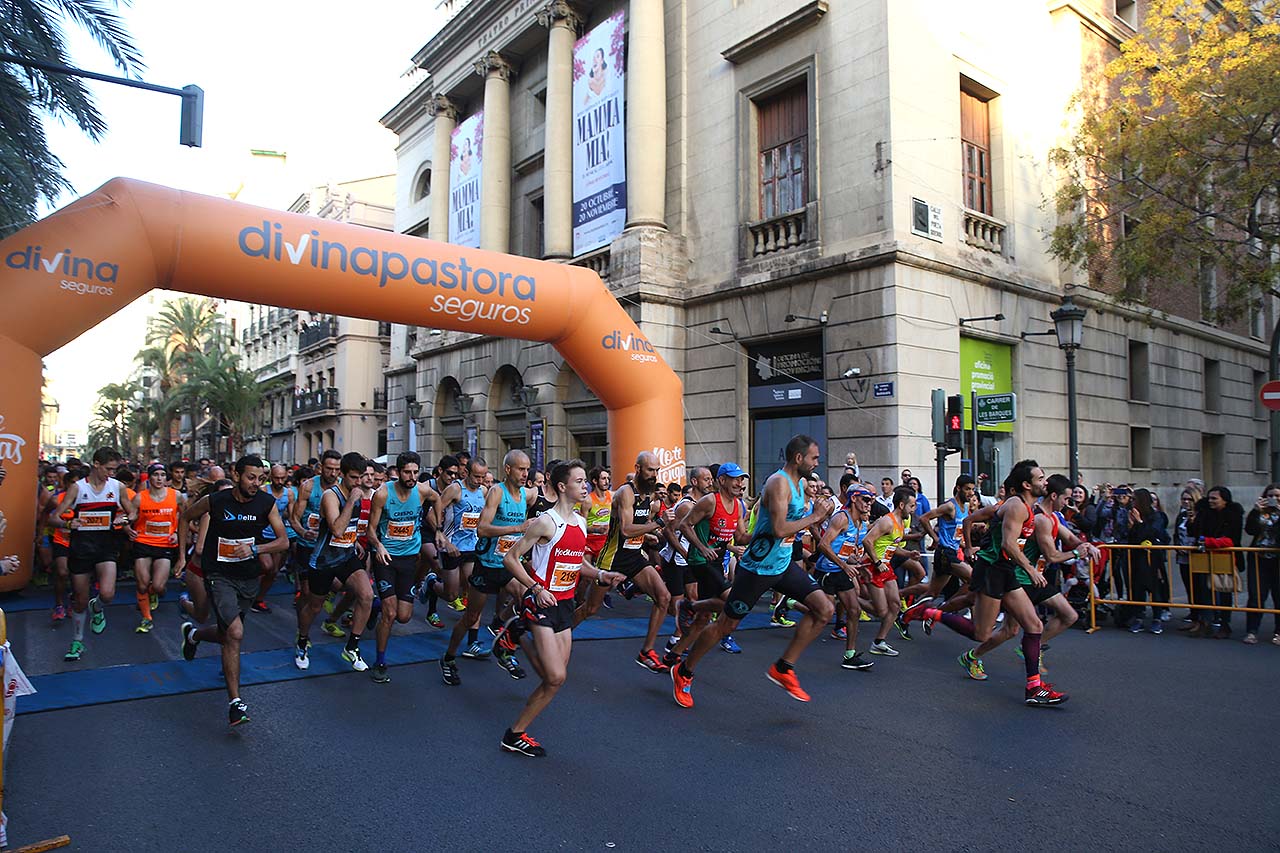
(473, 635)
(353, 641)
(783, 666)
(381, 659)
(144, 604)
(432, 599)
(77, 624)
(954, 621)
(1031, 657)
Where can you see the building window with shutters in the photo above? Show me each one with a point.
(975, 152)
(783, 132)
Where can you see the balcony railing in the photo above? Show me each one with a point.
(983, 232)
(380, 400)
(788, 231)
(598, 262)
(314, 334)
(315, 402)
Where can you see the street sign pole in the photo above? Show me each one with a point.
(973, 435)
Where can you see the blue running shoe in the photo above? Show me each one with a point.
(730, 645)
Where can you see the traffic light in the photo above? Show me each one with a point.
(939, 416)
(191, 128)
(955, 422)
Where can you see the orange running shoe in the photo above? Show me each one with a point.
(681, 686)
(788, 682)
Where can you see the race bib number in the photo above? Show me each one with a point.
(634, 542)
(157, 528)
(344, 540)
(564, 577)
(362, 527)
(400, 531)
(848, 548)
(789, 542)
(470, 520)
(505, 543)
(312, 522)
(227, 549)
(95, 520)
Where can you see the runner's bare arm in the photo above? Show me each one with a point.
(281, 542)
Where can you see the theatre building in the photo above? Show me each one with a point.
(809, 207)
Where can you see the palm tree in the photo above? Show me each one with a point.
(229, 390)
(183, 329)
(164, 408)
(30, 173)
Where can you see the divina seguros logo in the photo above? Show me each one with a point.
(640, 349)
(76, 274)
(267, 241)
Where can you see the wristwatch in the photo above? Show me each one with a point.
(253, 549)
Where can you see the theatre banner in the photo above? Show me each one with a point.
(599, 135)
(464, 182)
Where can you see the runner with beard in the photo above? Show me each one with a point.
(304, 515)
(767, 565)
(631, 519)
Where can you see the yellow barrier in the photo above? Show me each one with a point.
(1220, 565)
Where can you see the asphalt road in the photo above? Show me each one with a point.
(1166, 743)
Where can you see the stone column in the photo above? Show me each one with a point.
(446, 114)
(557, 169)
(495, 185)
(647, 115)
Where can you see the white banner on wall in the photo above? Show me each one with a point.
(464, 182)
(599, 135)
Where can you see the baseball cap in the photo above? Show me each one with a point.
(731, 470)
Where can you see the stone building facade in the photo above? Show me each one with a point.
(822, 197)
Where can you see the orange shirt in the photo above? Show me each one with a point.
(157, 522)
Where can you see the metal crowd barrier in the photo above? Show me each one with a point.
(1218, 568)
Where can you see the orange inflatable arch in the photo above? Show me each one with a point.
(63, 274)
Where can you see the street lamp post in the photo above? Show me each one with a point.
(1068, 325)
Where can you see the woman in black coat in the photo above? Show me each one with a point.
(1222, 519)
(1147, 526)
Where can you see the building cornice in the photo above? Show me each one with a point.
(410, 109)
(474, 30)
(783, 28)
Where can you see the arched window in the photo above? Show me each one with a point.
(422, 184)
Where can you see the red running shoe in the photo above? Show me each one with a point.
(1044, 695)
(650, 661)
(681, 687)
(788, 682)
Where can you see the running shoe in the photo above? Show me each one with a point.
(503, 642)
(864, 616)
(880, 647)
(348, 617)
(650, 661)
(1157, 627)
(329, 604)
(98, 620)
(1250, 639)
(672, 642)
(237, 712)
(607, 601)
(449, 672)
(1135, 627)
(681, 686)
(628, 589)
(856, 660)
(189, 641)
(144, 627)
(59, 613)
(434, 620)
(352, 656)
(458, 604)
(155, 601)
(903, 628)
(379, 673)
(476, 651)
(780, 612)
(1044, 695)
(777, 621)
(927, 622)
(76, 650)
(787, 681)
(839, 632)
(260, 607)
(973, 666)
(730, 645)
(684, 615)
(508, 661)
(522, 744)
(301, 655)
(915, 612)
(332, 629)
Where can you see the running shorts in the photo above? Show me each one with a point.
(881, 575)
(833, 583)
(943, 558)
(153, 552)
(676, 577)
(449, 562)
(998, 580)
(558, 617)
(61, 551)
(229, 598)
(749, 586)
(397, 578)
(488, 580)
(710, 579)
(320, 581)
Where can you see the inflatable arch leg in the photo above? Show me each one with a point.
(64, 274)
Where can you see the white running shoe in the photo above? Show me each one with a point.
(352, 656)
(300, 656)
(880, 647)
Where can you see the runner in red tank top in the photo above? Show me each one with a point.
(556, 542)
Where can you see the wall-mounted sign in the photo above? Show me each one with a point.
(882, 389)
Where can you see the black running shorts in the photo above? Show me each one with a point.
(998, 580)
(488, 580)
(676, 577)
(710, 579)
(749, 586)
(833, 583)
(558, 617)
(397, 578)
(320, 581)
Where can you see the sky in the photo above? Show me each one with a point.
(310, 79)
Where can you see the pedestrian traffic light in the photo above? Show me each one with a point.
(939, 416)
(191, 129)
(955, 422)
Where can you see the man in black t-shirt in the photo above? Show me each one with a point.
(231, 526)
